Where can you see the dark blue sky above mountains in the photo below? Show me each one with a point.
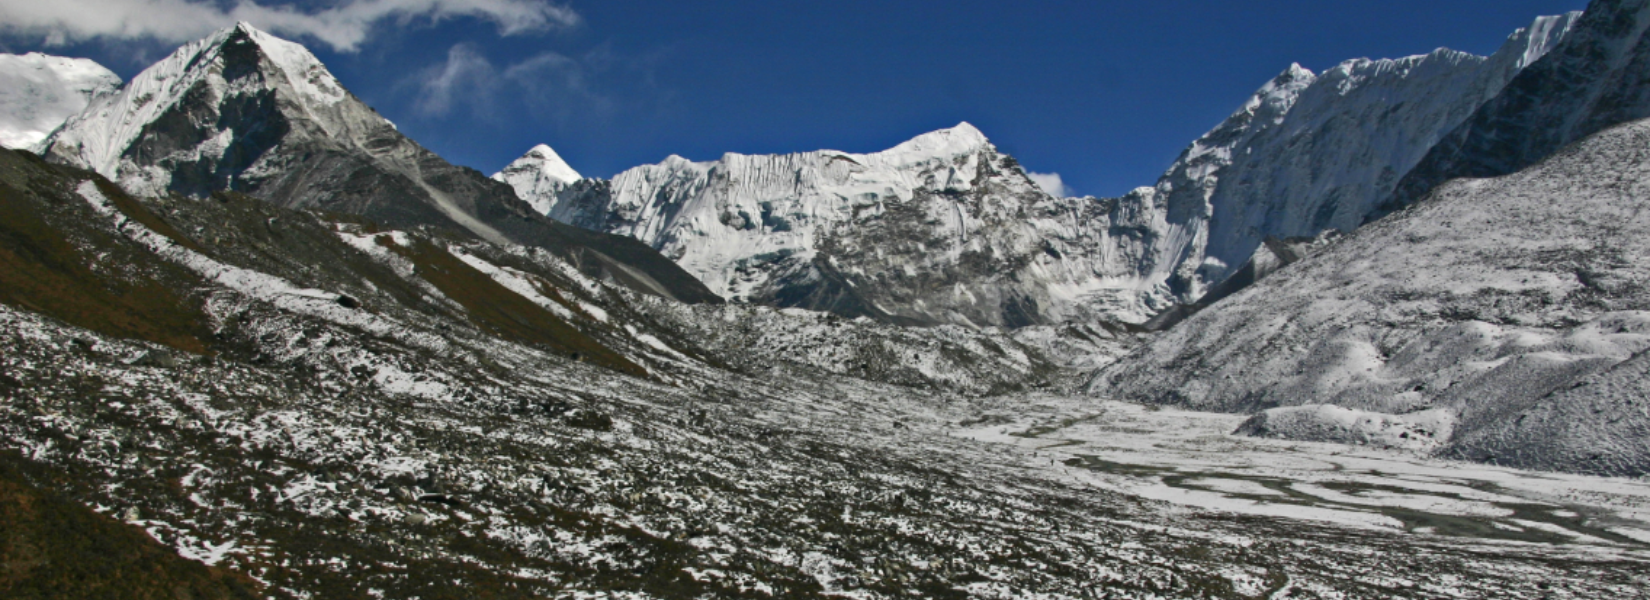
(1104, 93)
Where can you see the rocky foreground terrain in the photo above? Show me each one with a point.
(399, 438)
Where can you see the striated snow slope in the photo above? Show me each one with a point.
(538, 176)
(38, 92)
(940, 229)
(1310, 153)
(1507, 317)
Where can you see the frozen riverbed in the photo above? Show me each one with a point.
(1191, 460)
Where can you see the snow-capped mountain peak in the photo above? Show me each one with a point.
(246, 111)
(537, 176)
(235, 64)
(38, 92)
(939, 229)
(1310, 153)
(945, 143)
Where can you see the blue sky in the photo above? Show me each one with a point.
(1104, 93)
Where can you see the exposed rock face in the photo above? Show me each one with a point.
(1310, 153)
(941, 229)
(39, 92)
(248, 112)
(1598, 77)
(1517, 305)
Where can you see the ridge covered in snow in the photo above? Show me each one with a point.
(38, 92)
(1308, 153)
(1314, 152)
(940, 229)
(1594, 79)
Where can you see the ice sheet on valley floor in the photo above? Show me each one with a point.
(1133, 449)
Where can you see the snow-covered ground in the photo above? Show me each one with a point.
(1193, 460)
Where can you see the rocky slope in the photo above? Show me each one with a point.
(248, 112)
(333, 410)
(1499, 320)
(1596, 78)
(39, 92)
(941, 229)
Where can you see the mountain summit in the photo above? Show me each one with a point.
(538, 176)
(1311, 152)
(940, 229)
(246, 111)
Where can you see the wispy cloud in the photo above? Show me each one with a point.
(465, 77)
(1051, 183)
(344, 26)
(549, 85)
(559, 86)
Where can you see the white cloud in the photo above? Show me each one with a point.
(343, 26)
(1051, 183)
(558, 86)
(546, 86)
(467, 76)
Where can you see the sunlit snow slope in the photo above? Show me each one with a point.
(1314, 152)
(39, 92)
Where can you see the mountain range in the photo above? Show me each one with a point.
(941, 230)
(249, 319)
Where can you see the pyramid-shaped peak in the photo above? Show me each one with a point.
(201, 76)
(543, 162)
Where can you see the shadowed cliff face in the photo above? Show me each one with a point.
(1598, 77)
(243, 111)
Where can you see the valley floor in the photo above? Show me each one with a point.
(1190, 460)
(327, 476)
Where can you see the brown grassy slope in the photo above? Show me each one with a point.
(52, 547)
(495, 308)
(54, 262)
